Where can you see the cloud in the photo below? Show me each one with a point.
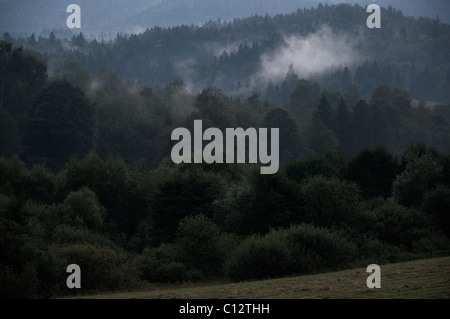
(313, 54)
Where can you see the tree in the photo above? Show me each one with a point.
(198, 240)
(213, 105)
(352, 95)
(346, 79)
(61, 125)
(181, 191)
(326, 165)
(78, 76)
(289, 138)
(329, 202)
(325, 112)
(110, 180)
(360, 129)
(374, 170)
(271, 201)
(320, 138)
(423, 170)
(343, 128)
(398, 225)
(436, 203)
(21, 78)
(303, 99)
(82, 208)
(9, 143)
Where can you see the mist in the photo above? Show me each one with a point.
(314, 54)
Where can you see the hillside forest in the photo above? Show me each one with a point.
(86, 175)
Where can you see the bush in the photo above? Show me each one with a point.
(373, 251)
(267, 201)
(297, 250)
(182, 191)
(82, 208)
(65, 234)
(18, 284)
(314, 165)
(436, 203)
(258, 258)
(329, 202)
(101, 268)
(316, 249)
(160, 265)
(197, 238)
(424, 170)
(401, 226)
(374, 170)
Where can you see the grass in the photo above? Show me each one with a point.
(427, 278)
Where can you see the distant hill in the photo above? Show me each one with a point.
(329, 44)
(133, 16)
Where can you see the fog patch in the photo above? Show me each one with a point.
(314, 54)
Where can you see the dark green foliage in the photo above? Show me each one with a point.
(289, 137)
(436, 203)
(270, 201)
(26, 262)
(315, 249)
(21, 284)
(160, 265)
(374, 170)
(197, 239)
(325, 113)
(213, 106)
(82, 208)
(326, 165)
(9, 132)
(61, 125)
(296, 250)
(182, 190)
(329, 201)
(110, 180)
(423, 170)
(117, 195)
(22, 76)
(257, 258)
(66, 235)
(400, 226)
(102, 268)
(37, 183)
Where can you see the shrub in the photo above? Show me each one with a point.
(424, 170)
(329, 202)
(374, 170)
(436, 203)
(181, 191)
(401, 226)
(160, 265)
(197, 238)
(257, 258)
(65, 234)
(297, 250)
(17, 284)
(101, 268)
(82, 208)
(316, 249)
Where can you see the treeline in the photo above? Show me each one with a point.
(86, 178)
(47, 120)
(408, 53)
(178, 223)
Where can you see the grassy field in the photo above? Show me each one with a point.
(428, 278)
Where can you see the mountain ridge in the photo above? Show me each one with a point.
(113, 16)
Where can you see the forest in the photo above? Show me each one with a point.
(86, 175)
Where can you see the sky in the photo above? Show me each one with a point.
(134, 16)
